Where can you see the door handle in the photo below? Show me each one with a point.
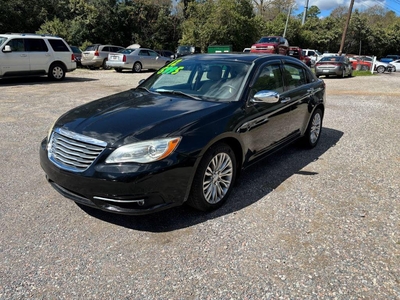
(23, 55)
(285, 100)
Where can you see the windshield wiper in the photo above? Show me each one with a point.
(178, 93)
(146, 89)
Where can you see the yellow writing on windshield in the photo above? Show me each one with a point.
(172, 68)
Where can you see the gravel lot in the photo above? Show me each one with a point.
(304, 224)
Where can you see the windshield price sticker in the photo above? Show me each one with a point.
(172, 68)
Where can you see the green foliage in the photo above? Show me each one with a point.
(163, 24)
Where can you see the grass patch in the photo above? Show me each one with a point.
(362, 73)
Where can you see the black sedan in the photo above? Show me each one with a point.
(184, 134)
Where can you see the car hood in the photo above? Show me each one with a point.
(265, 44)
(132, 116)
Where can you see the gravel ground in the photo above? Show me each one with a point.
(304, 224)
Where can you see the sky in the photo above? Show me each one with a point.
(326, 6)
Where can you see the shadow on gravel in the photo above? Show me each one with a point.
(40, 80)
(255, 182)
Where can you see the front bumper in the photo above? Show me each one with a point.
(121, 188)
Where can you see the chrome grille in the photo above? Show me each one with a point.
(72, 151)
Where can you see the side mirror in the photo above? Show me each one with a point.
(141, 81)
(265, 97)
(7, 48)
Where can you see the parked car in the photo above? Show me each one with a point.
(29, 54)
(379, 67)
(389, 58)
(96, 55)
(382, 67)
(78, 55)
(339, 66)
(246, 50)
(359, 64)
(271, 44)
(297, 52)
(186, 50)
(166, 53)
(184, 134)
(136, 59)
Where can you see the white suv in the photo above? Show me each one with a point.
(314, 55)
(25, 54)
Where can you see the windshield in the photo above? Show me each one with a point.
(210, 80)
(2, 40)
(268, 40)
(185, 49)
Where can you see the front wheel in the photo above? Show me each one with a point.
(214, 178)
(313, 132)
(56, 72)
(380, 69)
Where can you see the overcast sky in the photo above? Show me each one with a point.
(326, 6)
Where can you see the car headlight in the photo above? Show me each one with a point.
(144, 152)
(50, 131)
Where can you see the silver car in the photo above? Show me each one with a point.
(95, 56)
(339, 66)
(136, 59)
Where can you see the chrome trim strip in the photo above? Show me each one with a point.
(138, 201)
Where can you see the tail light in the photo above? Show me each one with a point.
(124, 58)
(96, 53)
(72, 57)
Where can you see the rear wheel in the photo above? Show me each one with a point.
(137, 67)
(119, 70)
(104, 65)
(314, 128)
(214, 178)
(57, 71)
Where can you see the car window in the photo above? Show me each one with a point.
(17, 45)
(209, 80)
(269, 78)
(2, 40)
(106, 49)
(58, 45)
(91, 48)
(36, 45)
(144, 53)
(294, 76)
(153, 53)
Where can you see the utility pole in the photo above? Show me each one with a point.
(345, 27)
(305, 13)
(287, 20)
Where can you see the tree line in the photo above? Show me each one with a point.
(162, 24)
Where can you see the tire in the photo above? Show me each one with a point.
(351, 73)
(343, 74)
(380, 69)
(118, 70)
(57, 72)
(104, 65)
(314, 128)
(214, 178)
(364, 68)
(137, 67)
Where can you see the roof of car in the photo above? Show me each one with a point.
(239, 56)
(31, 35)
